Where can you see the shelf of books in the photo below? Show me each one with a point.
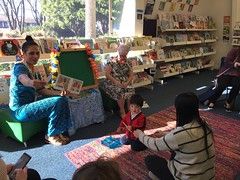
(189, 70)
(187, 43)
(139, 57)
(236, 35)
(141, 79)
(8, 59)
(191, 30)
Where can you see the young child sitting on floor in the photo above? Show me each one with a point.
(133, 120)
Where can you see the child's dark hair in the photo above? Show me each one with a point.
(29, 42)
(136, 99)
(101, 169)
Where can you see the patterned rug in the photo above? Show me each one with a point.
(226, 137)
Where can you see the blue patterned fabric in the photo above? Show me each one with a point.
(25, 108)
(20, 94)
(86, 110)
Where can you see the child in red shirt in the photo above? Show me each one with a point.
(133, 120)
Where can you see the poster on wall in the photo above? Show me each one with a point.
(173, 6)
(139, 14)
(190, 8)
(149, 7)
(181, 7)
(226, 28)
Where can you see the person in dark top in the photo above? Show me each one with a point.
(230, 77)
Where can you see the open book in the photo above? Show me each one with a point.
(69, 84)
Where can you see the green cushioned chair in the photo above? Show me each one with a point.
(20, 131)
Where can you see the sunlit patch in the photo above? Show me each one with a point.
(200, 88)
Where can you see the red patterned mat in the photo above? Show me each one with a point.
(226, 136)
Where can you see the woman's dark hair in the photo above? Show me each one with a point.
(101, 169)
(29, 42)
(187, 105)
(136, 99)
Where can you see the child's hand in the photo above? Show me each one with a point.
(137, 132)
(120, 129)
(159, 133)
(129, 128)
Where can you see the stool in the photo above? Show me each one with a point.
(20, 131)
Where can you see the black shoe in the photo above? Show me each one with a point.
(228, 107)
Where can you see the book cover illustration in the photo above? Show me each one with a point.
(67, 83)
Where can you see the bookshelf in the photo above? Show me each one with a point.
(236, 36)
(137, 57)
(187, 44)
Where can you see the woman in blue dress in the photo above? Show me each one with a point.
(24, 90)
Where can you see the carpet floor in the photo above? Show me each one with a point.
(226, 137)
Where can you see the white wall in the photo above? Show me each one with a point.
(217, 9)
(130, 24)
(235, 11)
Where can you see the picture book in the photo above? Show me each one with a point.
(67, 83)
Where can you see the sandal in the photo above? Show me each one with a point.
(64, 138)
(55, 140)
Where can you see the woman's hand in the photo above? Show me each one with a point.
(21, 174)
(137, 132)
(64, 93)
(38, 84)
(9, 167)
(236, 64)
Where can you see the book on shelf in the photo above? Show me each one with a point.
(47, 44)
(161, 54)
(112, 43)
(9, 47)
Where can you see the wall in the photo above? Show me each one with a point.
(218, 9)
(235, 12)
(214, 8)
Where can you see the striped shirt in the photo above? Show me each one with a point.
(187, 142)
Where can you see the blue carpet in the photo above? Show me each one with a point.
(50, 161)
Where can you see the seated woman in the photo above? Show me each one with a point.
(119, 76)
(191, 144)
(23, 92)
(230, 77)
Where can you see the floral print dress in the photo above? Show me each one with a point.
(120, 71)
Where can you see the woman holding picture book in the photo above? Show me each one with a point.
(24, 90)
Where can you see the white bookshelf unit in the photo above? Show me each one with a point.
(185, 50)
(236, 37)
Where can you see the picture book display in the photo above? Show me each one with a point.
(67, 83)
(9, 47)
